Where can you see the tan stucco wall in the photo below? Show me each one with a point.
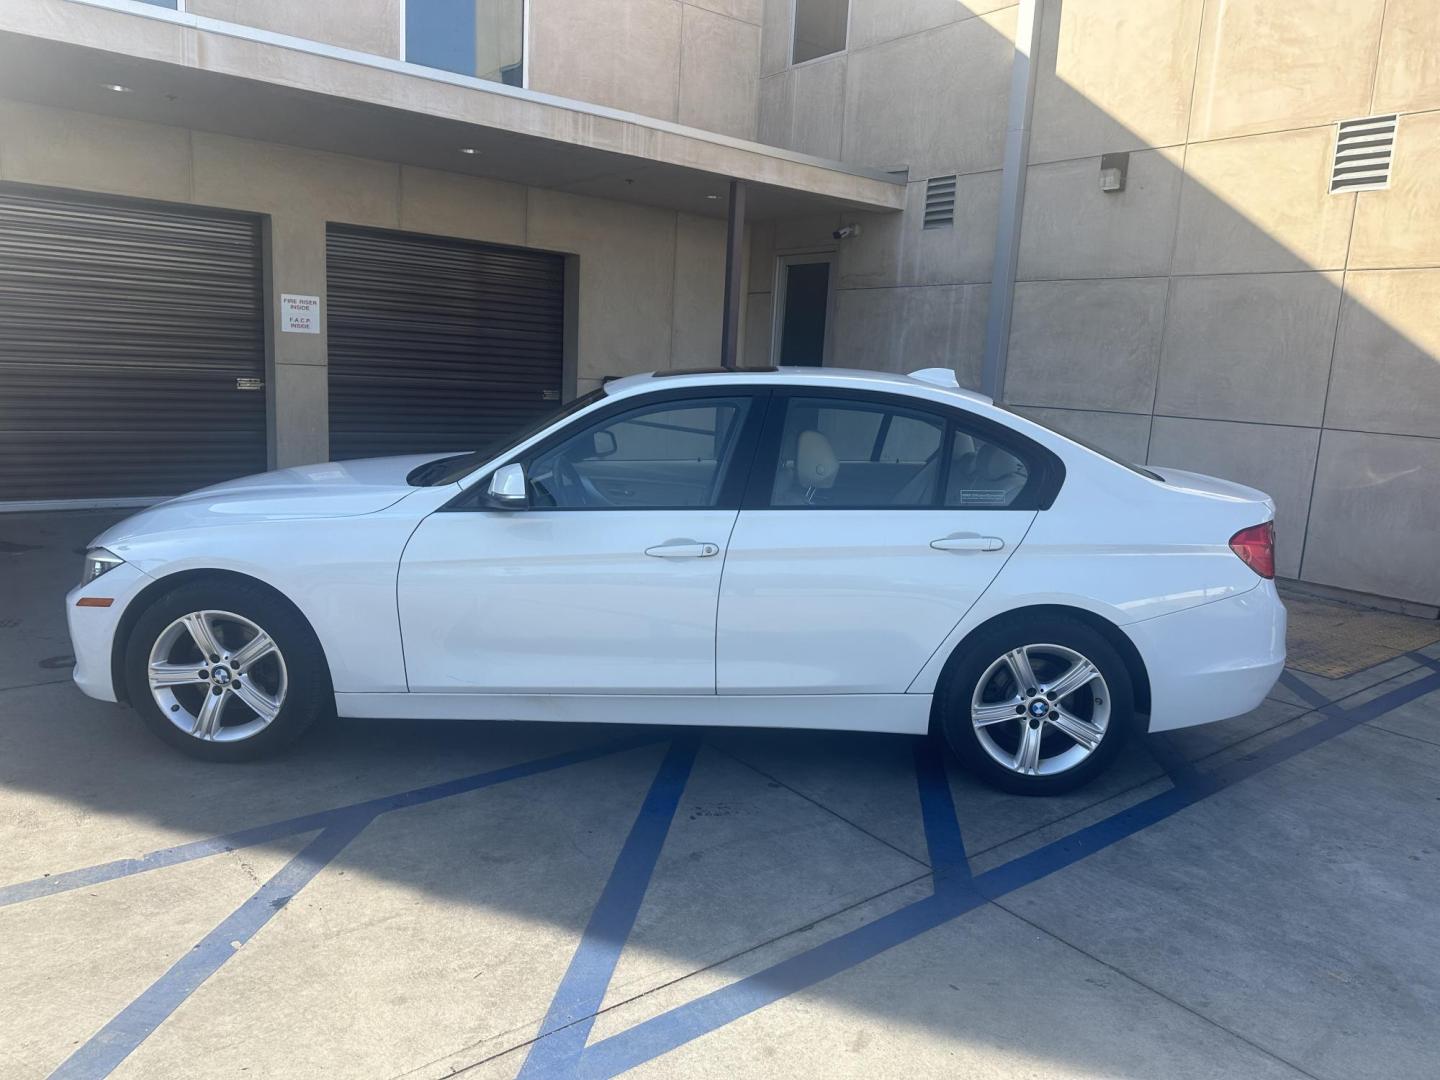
(650, 281)
(373, 26)
(695, 62)
(1224, 313)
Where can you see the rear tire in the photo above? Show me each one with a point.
(226, 671)
(1036, 705)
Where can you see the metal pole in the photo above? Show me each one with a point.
(734, 236)
(1012, 200)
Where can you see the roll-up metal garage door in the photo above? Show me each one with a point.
(132, 347)
(438, 344)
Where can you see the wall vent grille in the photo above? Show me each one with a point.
(1363, 149)
(939, 202)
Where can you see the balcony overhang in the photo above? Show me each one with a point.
(193, 72)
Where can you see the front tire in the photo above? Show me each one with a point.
(1037, 706)
(226, 671)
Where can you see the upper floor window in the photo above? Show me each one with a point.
(819, 29)
(484, 38)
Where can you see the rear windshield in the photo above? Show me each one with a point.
(1088, 445)
(449, 470)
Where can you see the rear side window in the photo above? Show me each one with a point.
(983, 473)
(872, 453)
(853, 455)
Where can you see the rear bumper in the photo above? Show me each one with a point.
(92, 629)
(1213, 661)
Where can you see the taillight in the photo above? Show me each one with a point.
(1256, 548)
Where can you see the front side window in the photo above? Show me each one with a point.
(840, 454)
(819, 29)
(667, 455)
(484, 38)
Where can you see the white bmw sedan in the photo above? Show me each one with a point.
(807, 548)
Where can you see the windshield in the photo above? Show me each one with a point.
(449, 470)
(1088, 445)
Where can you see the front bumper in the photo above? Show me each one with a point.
(92, 629)
(1214, 661)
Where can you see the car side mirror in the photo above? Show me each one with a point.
(508, 489)
(603, 444)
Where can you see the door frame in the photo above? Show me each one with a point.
(777, 322)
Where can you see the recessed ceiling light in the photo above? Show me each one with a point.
(468, 150)
(712, 196)
(117, 88)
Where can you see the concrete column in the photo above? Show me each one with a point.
(1012, 198)
(734, 265)
(297, 381)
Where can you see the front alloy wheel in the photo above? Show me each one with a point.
(1036, 706)
(226, 670)
(217, 676)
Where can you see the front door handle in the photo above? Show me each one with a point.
(683, 549)
(967, 542)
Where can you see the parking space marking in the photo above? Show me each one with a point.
(560, 1048)
(277, 830)
(1302, 689)
(948, 862)
(1167, 755)
(567, 1023)
(113, 1043)
(684, 1023)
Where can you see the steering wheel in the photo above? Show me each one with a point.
(577, 490)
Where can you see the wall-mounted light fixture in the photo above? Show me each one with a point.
(1113, 168)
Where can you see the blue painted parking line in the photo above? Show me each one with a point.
(577, 999)
(560, 1050)
(948, 861)
(1302, 689)
(277, 830)
(105, 1050)
(684, 1023)
(1428, 661)
(1167, 755)
(953, 893)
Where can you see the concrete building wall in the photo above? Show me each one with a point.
(694, 62)
(922, 86)
(372, 26)
(1224, 312)
(1285, 336)
(650, 280)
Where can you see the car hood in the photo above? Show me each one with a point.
(331, 489)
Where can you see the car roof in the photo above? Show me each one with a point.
(935, 383)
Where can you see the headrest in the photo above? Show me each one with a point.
(815, 464)
(994, 463)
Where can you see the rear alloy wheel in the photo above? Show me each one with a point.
(1038, 708)
(225, 672)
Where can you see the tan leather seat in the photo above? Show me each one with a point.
(813, 470)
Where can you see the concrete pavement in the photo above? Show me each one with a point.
(1255, 898)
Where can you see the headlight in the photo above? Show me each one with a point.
(97, 562)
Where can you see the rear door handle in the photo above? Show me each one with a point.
(967, 542)
(683, 549)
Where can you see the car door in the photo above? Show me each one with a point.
(872, 523)
(608, 580)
